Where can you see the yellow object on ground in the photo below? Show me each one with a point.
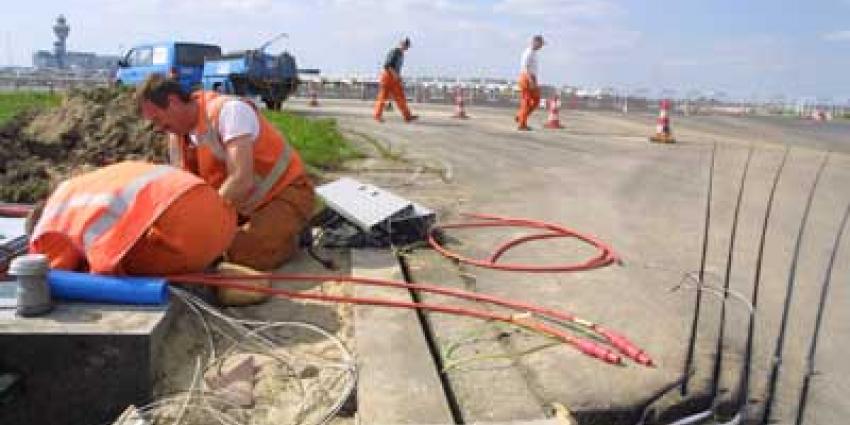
(662, 138)
(234, 297)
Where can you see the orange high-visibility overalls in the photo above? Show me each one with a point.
(134, 218)
(281, 203)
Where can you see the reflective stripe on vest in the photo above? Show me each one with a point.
(212, 138)
(118, 204)
(78, 201)
(265, 184)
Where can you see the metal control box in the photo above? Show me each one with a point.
(362, 204)
(377, 211)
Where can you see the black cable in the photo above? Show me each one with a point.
(813, 343)
(789, 293)
(718, 351)
(645, 406)
(689, 357)
(744, 389)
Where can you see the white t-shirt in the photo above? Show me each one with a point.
(236, 119)
(529, 62)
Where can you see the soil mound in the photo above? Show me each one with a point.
(91, 128)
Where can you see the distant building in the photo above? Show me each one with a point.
(61, 58)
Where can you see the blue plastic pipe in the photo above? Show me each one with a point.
(108, 289)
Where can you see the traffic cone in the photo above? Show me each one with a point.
(554, 107)
(314, 98)
(662, 125)
(460, 111)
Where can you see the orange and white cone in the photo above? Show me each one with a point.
(460, 111)
(662, 125)
(554, 107)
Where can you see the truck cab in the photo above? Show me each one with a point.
(180, 60)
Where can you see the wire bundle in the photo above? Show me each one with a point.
(281, 373)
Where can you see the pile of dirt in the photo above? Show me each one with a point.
(91, 128)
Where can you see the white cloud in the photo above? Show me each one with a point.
(843, 35)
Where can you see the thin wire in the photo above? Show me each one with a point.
(255, 341)
(195, 377)
(714, 290)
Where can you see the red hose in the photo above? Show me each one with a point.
(556, 227)
(520, 240)
(605, 257)
(620, 343)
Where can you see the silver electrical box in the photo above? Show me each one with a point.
(371, 208)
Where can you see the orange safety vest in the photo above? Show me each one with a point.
(276, 163)
(102, 214)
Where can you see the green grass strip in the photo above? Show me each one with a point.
(319, 141)
(15, 102)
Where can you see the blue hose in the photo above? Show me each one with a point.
(109, 289)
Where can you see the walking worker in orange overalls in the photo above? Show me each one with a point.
(390, 84)
(528, 84)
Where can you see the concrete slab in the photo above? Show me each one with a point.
(398, 383)
(82, 363)
(475, 352)
(601, 176)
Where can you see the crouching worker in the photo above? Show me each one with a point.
(138, 218)
(227, 142)
(134, 218)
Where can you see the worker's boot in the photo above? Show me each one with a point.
(236, 297)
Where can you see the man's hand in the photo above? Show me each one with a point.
(239, 183)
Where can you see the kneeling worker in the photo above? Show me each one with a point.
(229, 144)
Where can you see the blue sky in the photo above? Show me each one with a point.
(745, 48)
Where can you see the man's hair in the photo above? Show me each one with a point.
(156, 89)
(537, 37)
(405, 41)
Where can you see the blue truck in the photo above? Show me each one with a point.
(252, 72)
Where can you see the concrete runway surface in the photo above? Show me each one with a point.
(600, 175)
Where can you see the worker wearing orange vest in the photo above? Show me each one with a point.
(230, 145)
(390, 85)
(134, 218)
(528, 84)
